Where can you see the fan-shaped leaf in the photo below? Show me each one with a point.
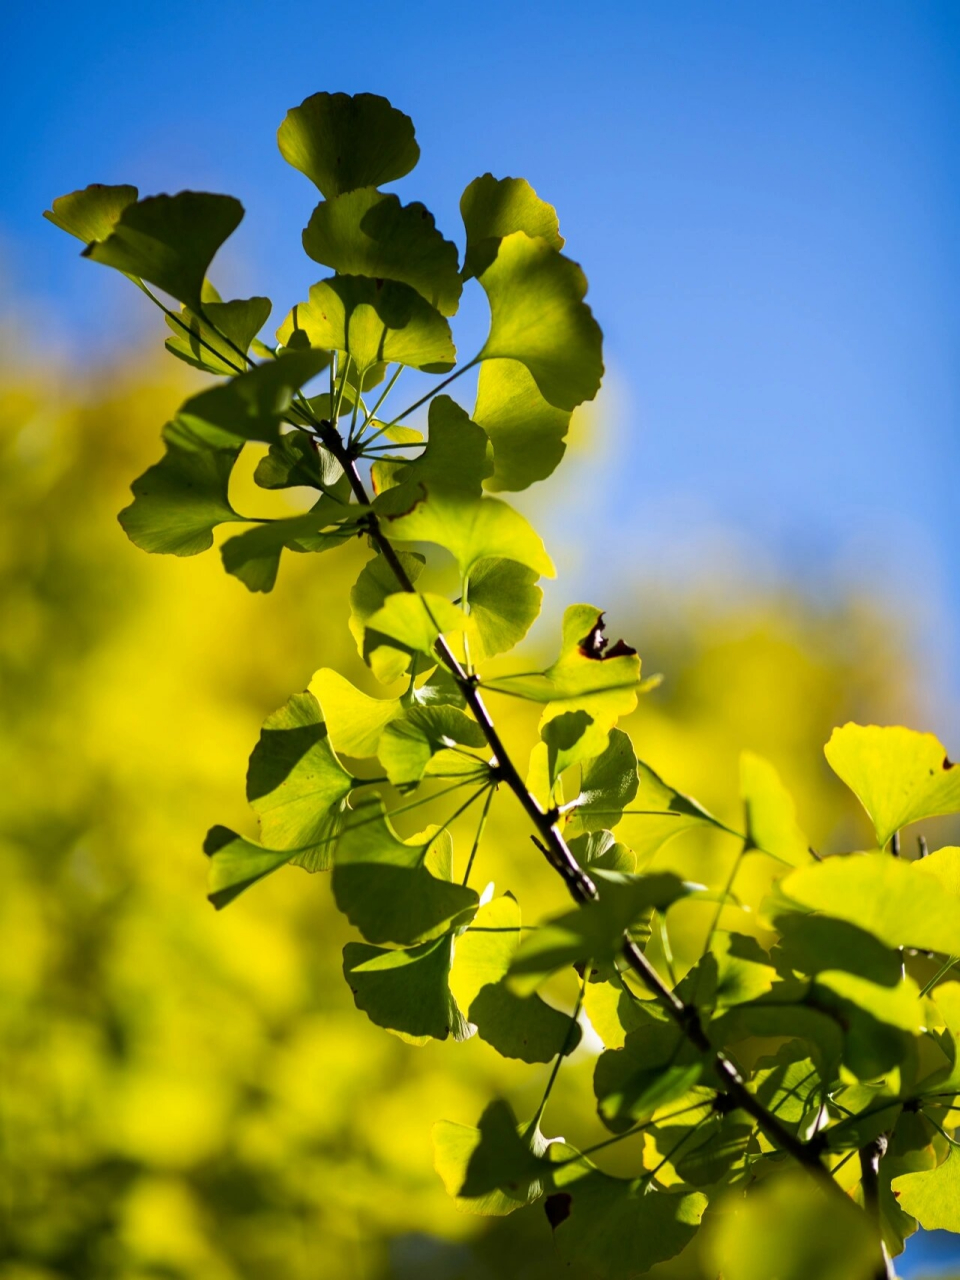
(538, 316)
(369, 233)
(504, 603)
(217, 341)
(771, 816)
(406, 991)
(528, 434)
(342, 142)
(91, 214)
(898, 775)
(374, 321)
(417, 741)
(496, 207)
(355, 720)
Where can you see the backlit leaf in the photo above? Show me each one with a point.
(383, 886)
(455, 1146)
(608, 785)
(529, 1028)
(898, 775)
(538, 316)
(369, 233)
(374, 321)
(377, 580)
(496, 207)
(528, 433)
(355, 721)
(217, 341)
(170, 241)
(296, 785)
(771, 817)
(236, 864)
(472, 529)
(410, 744)
(408, 623)
(656, 1067)
(254, 556)
(91, 214)
(342, 142)
(504, 603)
(454, 460)
(406, 991)
(933, 1197)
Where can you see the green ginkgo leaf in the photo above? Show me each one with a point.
(384, 885)
(743, 971)
(789, 1084)
(808, 944)
(528, 1029)
(595, 931)
(91, 214)
(622, 1227)
(601, 850)
(408, 623)
(406, 991)
(419, 741)
(170, 241)
(493, 208)
(933, 1196)
(903, 904)
(454, 460)
(217, 341)
(355, 720)
(254, 556)
(296, 785)
(342, 141)
(377, 580)
(657, 1067)
(296, 460)
(250, 406)
(528, 434)
(771, 815)
(538, 316)
(608, 785)
(897, 774)
(504, 602)
(374, 321)
(180, 500)
(367, 232)
(660, 813)
(472, 529)
(236, 864)
(455, 1146)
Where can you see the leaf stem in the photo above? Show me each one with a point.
(574, 1019)
(434, 392)
(479, 836)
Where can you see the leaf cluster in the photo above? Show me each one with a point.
(820, 1020)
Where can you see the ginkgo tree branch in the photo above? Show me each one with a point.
(579, 884)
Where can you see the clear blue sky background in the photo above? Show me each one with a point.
(766, 198)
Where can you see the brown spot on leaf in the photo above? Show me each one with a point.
(621, 650)
(557, 1208)
(594, 642)
(947, 763)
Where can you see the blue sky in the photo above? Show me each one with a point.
(765, 197)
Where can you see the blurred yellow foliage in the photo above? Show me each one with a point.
(186, 1094)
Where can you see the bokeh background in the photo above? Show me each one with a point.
(765, 199)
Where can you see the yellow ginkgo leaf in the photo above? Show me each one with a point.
(897, 774)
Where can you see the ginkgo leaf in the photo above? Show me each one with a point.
(236, 864)
(374, 321)
(771, 817)
(808, 1232)
(608, 785)
(410, 744)
(538, 316)
(170, 241)
(377, 580)
(355, 721)
(383, 885)
(455, 1147)
(496, 207)
(342, 141)
(789, 1085)
(660, 813)
(898, 775)
(296, 785)
(180, 500)
(406, 991)
(367, 232)
(254, 556)
(656, 1067)
(622, 1227)
(528, 1029)
(809, 944)
(472, 529)
(933, 1197)
(743, 970)
(250, 406)
(528, 434)
(895, 900)
(408, 623)
(595, 931)
(454, 460)
(91, 214)
(601, 850)
(218, 340)
(504, 602)
(296, 460)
